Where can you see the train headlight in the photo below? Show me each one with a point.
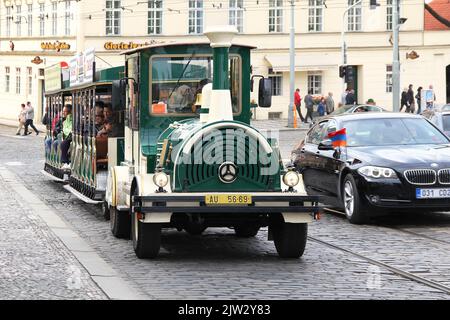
(161, 179)
(291, 179)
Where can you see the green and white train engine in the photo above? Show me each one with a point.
(192, 160)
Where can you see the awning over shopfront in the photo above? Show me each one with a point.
(303, 62)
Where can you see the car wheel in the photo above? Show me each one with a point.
(146, 238)
(290, 239)
(355, 211)
(120, 223)
(105, 211)
(246, 231)
(195, 229)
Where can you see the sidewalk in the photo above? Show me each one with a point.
(278, 124)
(15, 124)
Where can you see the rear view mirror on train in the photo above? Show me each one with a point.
(118, 95)
(265, 93)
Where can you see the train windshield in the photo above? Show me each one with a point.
(177, 83)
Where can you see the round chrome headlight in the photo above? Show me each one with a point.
(291, 179)
(161, 179)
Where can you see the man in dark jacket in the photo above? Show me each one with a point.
(350, 98)
(404, 100)
(411, 103)
(309, 103)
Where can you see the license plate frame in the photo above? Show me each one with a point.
(433, 193)
(228, 199)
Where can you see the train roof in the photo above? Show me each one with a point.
(176, 43)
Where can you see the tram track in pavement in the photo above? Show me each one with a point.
(394, 270)
(412, 233)
(403, 273)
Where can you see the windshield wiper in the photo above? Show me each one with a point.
(182, 74)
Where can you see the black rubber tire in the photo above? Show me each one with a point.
(147, 242)
(360, 210)
(106, 213)
(120, 223)
(246, 231)
(290, 239)
(195, 229)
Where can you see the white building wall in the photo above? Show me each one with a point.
(369, 49)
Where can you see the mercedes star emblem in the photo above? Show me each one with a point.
(228, 172)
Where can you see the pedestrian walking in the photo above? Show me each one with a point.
(411, 103)
(344, 97)
(29, 119)
(329, 103)
(22, 119)
(350, 98)
(309, 104)
(298, 104)
(404, 99)
(419, 99)
(430, 97)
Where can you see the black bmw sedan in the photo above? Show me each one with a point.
(392, 161)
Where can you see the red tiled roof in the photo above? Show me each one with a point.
(442, 7)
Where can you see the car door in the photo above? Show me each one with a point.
(309, 165)
(328, 163)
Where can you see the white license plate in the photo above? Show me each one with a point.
(432, 193)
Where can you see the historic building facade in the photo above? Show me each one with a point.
(35, 34)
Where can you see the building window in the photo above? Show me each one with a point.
(315, 15)
(30, 20)
(277, 82)
(54, 18)
(354, 16)
(67, 18)
(275, 15)
(388, 78)
(42, 19)
(19, 20)
(7, 79)
(113, 17)
(155, 11)
(30, 80)
(195, 16)
(9, 19)
(389, 11)
(18, 80)
(315, 83)
(236, 14)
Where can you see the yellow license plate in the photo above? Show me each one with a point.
(228, 199)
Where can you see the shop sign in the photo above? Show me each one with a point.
(56, 46)
(126, 45)
(82, 68)
(52, 76)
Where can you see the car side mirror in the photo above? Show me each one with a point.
(326, 145)
(118, 95)
(265, 93)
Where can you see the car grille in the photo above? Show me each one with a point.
(444, 176)
(421, 176)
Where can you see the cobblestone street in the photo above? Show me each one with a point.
(341, 261)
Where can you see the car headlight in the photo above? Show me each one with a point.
(161, 179)
(377, 172)
(291, 179)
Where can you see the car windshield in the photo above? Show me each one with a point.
(446, 123)
(343, 109)
(393, 131)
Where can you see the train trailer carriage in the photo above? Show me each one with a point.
(192, 160)
(90, 152)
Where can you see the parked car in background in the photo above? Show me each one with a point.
(392, 161)
(445, 107)
(357, 108)
(442, 121)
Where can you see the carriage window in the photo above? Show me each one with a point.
(177, 83)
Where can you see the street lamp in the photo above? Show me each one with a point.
(292, 67)
(396, 23)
